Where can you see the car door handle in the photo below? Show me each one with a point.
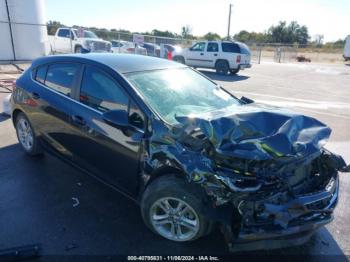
(202, 54)
(79, 120)
(215, 54)
(35, 96)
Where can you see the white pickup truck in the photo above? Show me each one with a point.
(68, 40)
(223, 56)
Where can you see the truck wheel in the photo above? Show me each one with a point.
(222, 67)
(234, 71)
(171, 208)
(78, 50)
(26, 136)
(179, 59)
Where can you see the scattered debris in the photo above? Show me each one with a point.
(75, 202)
(302, 58)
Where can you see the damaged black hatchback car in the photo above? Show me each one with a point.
(192, 154)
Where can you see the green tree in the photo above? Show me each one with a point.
(52, 27)
(289, 34)
(251, 37)
(211, 36)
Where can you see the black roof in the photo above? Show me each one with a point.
(122, 63)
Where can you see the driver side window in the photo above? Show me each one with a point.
(101, 92)
(199, 47)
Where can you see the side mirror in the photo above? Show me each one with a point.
(247, 100)
(117, 118)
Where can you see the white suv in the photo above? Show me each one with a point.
(224, 56)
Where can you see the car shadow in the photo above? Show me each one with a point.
(227, 78)
(321, 246)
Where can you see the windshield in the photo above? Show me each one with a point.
(87, 34)
(180, 92)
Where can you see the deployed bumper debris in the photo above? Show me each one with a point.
(267, 177)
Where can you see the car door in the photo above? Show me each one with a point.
(63, 41)
(196, 55)
(110, 152)
(232, 53)
(51, 93)
(211, 54)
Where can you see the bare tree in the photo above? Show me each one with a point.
(186, 31)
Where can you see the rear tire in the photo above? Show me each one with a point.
(172, 208)
(222, 67)
(26, 136)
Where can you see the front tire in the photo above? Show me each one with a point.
(26, 136)
(78, 50)
(179, 59)
(172, 208)
(222, 67)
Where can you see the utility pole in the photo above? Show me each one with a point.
(229, 23)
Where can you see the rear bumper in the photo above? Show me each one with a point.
(307, 213)
(244, 66)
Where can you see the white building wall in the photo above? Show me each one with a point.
(5, 42)
(29, 31)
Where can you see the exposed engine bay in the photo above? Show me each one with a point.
(265, 171)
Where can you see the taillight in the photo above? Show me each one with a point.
(170, 56)
(13, 86)
(131, 50)
(238, 60)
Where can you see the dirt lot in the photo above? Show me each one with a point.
(36, 204)
(315, 56)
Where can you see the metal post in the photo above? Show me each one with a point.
(154, 48)
(229, 23)
(118, 42)
(70, 37)
(260, 48)
(10, 27)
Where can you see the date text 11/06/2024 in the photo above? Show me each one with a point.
(173, 258)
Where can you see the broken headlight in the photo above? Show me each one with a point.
(240, 185)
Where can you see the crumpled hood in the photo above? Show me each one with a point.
(259, 132)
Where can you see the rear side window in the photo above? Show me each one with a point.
(230, 48)
(213, 47)
(64, 33)
(101, 92)
(60, 77)
(40, 74)
(244, 49)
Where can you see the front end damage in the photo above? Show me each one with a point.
(269, 181)
(275, 213)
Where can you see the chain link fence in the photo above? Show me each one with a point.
(284, 53)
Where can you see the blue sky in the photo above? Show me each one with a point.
(327, 17)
